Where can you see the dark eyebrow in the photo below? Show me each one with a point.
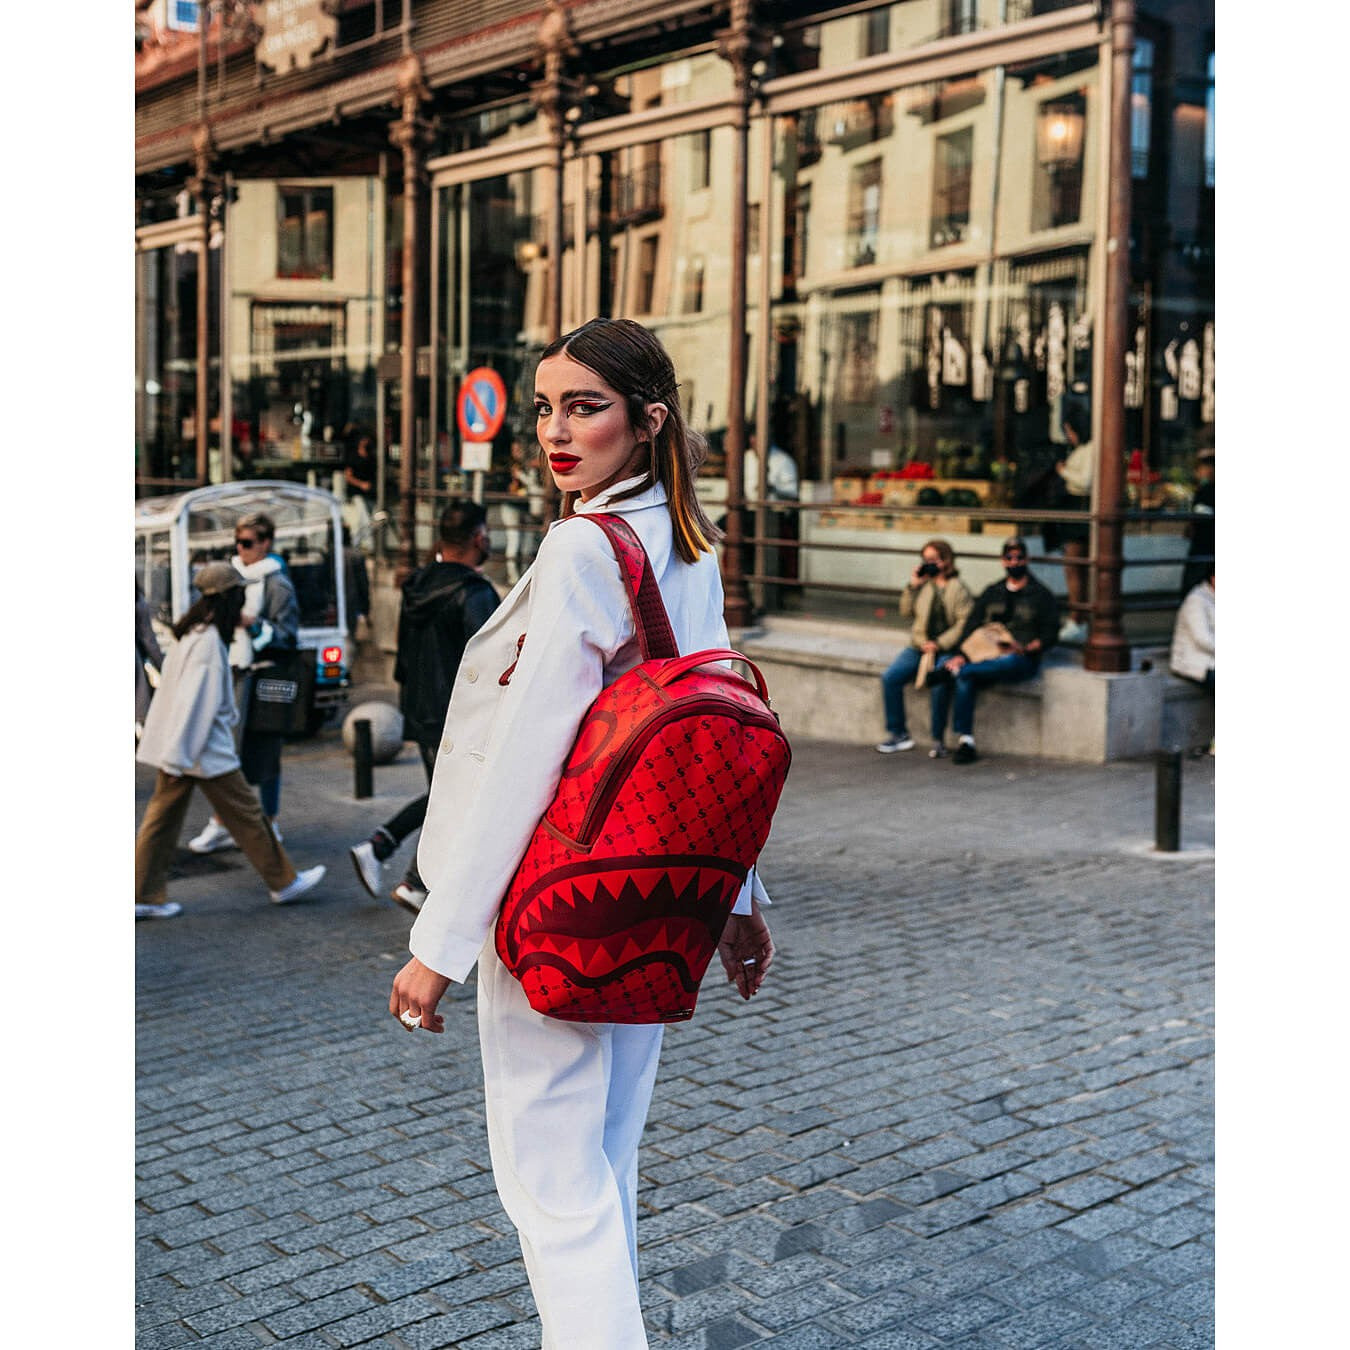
(574, 393)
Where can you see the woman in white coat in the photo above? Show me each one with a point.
(566, 1102)
(189, 738)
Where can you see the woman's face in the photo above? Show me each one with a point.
(931, 555)
(583, 427)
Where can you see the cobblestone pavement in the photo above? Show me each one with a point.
(972, 1107)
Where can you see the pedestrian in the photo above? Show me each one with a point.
(566, 1101)
(271, 624)
(443, 605)
(1073, 473)
(1192, 653)
(937, 604)
(525, 508)
(1200, 549)
(147, 653)
(1030, 614)
(189, 738)
(360, 475)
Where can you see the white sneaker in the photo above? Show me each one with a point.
(1073, 631)
(304, 883)
(410, 897)
(893, 743)
(165, 911)
(369, 868)
(212, 838)
(939, 751)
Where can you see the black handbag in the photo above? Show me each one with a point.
(281, 690)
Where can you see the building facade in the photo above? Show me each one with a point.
(876, 235)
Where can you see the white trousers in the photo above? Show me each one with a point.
(566, 1103)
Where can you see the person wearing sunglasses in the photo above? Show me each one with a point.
(1030, 613)
(271, 620)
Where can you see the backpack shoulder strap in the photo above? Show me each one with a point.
(654, 633)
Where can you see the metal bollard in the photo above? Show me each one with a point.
(1167, 802)
(363, 754)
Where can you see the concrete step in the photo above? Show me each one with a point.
(825, 683)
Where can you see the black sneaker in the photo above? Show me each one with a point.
(965, 753)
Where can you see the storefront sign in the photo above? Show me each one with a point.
(294, 32)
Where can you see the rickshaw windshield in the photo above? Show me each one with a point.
(304, 541)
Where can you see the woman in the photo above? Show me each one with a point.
(566, 1102)
(272, 623)
(937, 604)
(1073, 471)
(189, 737)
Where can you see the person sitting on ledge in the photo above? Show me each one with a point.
(1029, 612)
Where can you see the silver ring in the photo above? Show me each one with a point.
(410, 1019)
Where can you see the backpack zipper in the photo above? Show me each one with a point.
(622, 765)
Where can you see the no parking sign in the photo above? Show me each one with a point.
(481, 406)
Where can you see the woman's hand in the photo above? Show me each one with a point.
(929, 646)
(746, 950)
(418, 988)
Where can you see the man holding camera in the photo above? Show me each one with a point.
(937, 604)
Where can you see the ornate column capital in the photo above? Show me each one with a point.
(744, 42)
(411, 130)
(557, 91)
(203, 156)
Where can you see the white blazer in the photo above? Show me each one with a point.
(504, 746)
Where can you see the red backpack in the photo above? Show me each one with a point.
(665, 802)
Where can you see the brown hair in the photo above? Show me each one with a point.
(632, 360)
(262, 525)
(944, 551)
(221, 611)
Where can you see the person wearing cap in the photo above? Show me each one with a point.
(1030, 613)
(189, 738)
(271, 623)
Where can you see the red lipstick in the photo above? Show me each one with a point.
(563, 462)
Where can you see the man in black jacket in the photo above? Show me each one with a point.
(444, 604)
(1029, 612)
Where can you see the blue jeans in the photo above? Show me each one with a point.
(898, 674)
(971, 678)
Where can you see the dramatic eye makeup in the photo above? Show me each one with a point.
(584, 401)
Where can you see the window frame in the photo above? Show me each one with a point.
(308, 269)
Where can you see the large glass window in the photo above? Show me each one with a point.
(1141, 107)
(1058, 193)
(951, 187)
(971, 329)
(307, 322)
(864, 213)
(166, 359)
(495, 265)
(305, 233)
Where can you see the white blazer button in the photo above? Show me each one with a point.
(470, 674)
(447, 745)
